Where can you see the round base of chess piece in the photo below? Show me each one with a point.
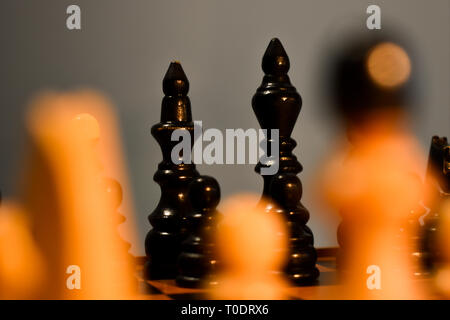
(301, 268)
(194, 269)
(304, 277)
(194, 282)
(161, 263)
(159, 271)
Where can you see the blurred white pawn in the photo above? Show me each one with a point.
(252, 247)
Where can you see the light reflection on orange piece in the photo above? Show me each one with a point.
(251, 245)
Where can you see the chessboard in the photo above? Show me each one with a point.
(168, 290)
(326, 287)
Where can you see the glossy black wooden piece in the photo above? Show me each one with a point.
(162, 243)
(277, 105)
(197, 263)
(438, 178)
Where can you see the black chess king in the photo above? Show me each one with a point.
(277, 105)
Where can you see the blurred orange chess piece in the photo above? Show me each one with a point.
(251, 245)
(21, 265)
(376, 189)
(376, 192)
(73, 217)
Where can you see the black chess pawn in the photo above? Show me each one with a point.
(162, 243)
(277, 105)
(197, 263)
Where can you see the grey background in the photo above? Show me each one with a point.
(125, 47)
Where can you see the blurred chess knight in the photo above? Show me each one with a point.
(65, 215)
(375, 188)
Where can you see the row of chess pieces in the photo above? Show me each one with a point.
(182, 243)
(63, 215)
(179, 245)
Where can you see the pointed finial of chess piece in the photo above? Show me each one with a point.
(197, 264)
(275, 60)
(176, 105)
(175, 81)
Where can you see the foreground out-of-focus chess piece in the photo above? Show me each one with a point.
(252, 247)
(438, 180)
(22, 269)
(277, 105)
(375, 188)
(71, 213)
(375, 211)
(368, 78)
(163, 241)
(197, 263)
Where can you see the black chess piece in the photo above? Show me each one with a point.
(277, 105)
(438, 179)
(417, 231)
(162, 243)
(197, 263)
